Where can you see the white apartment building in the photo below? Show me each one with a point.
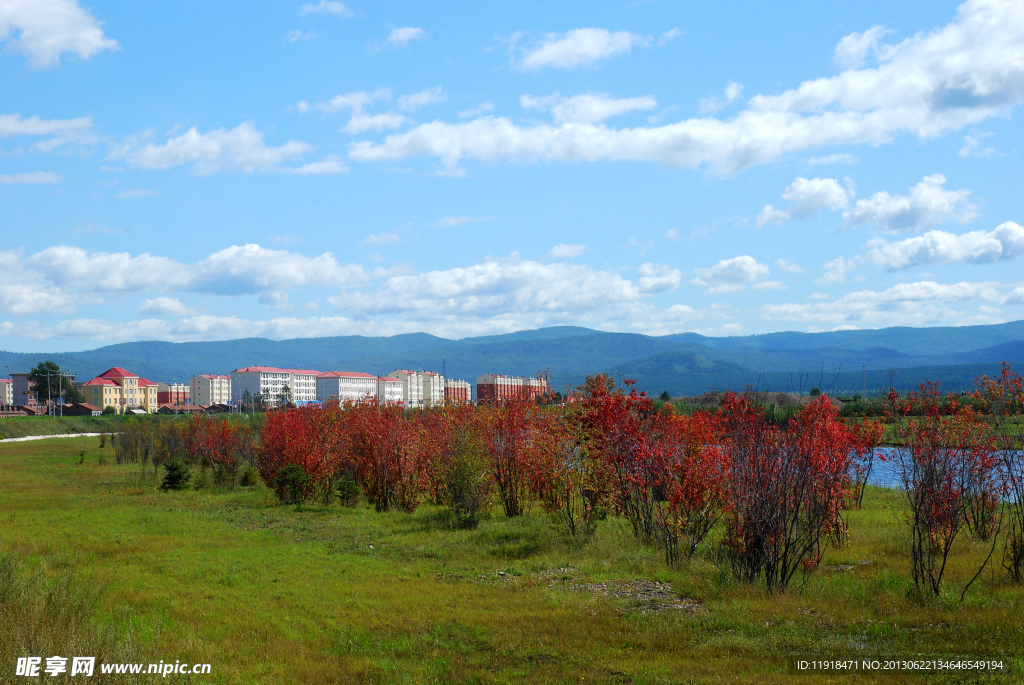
(207, 389)
(270, 382)
(6, 392)
(412, 387)
(433, 389)
(345, 385)
(420, 389)
(390, 390)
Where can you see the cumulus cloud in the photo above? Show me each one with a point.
(939, 247)
(414, 101)
(578, 48)
(716, 102)
(730, 275)
(236, 270)
(808, 198)
(914, 304)
(658, 278)
(332, 7)
(564, 251)
(242, 148)
(835, 270)
(31, 177)
(164, 306)
(590, 108)
(354, 101)
(400, 37)
(853, 50)
(43, 30)
(360, 123)
(789, 266)
(927, 204)
(829, 160)
(930, 84)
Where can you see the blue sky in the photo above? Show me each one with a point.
(214, 170)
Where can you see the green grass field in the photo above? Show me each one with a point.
(268, 594)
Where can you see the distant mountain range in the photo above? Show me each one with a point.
(840, 362)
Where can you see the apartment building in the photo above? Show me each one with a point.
(457, 392)
(496, 388)
(207, 389)
(122, 390)
(6, 392)
(389, 391)
(172, 393)
(269, 382)
(344, 386)
(412, 387)
(433, 389)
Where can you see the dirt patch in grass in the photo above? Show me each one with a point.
(643, 596)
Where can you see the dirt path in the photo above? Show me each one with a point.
(47, 437)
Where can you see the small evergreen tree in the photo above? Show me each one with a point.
(176, 475)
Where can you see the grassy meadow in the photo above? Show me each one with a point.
(270, 594)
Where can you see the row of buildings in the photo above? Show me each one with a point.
(253, 386)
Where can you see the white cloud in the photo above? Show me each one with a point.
(769, 285)
(927, 204)
(789, 266)
(836, 270)
(852, 51)
(658, 278)
(564, 251)
(579, 47)
(242, 148)
(137, 192)
(590, 108)
(973, 147)
(236, 270)
(716, 102)
(449, 221)
(908, 304)
(1015, 297)
(829, 160)
(16, 125)
(403, 36)
(481, 109)
(327, 166)
(670, 35)
(360, 123)
(423, 98)
(808, 198)
(939, 247)
(164, 306)
(43, 30)
(296, 35)
(672, 234)
(338, 9)
(930, 84)
(354, 101)
(730, 275)
(31, 177)
(380, 239)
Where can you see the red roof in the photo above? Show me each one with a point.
(389, 379)
(6, 380)
(117, 372)
(143, 383)
(303, 372)
(431, 373)
(260, 369)
(206, 375)
(101, 381)
(346, 374)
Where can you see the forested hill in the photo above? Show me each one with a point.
(687, 363)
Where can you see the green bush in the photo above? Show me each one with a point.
(250, 477)
(109, 411)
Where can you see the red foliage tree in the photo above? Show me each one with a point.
(384, 451)
(868, 436)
